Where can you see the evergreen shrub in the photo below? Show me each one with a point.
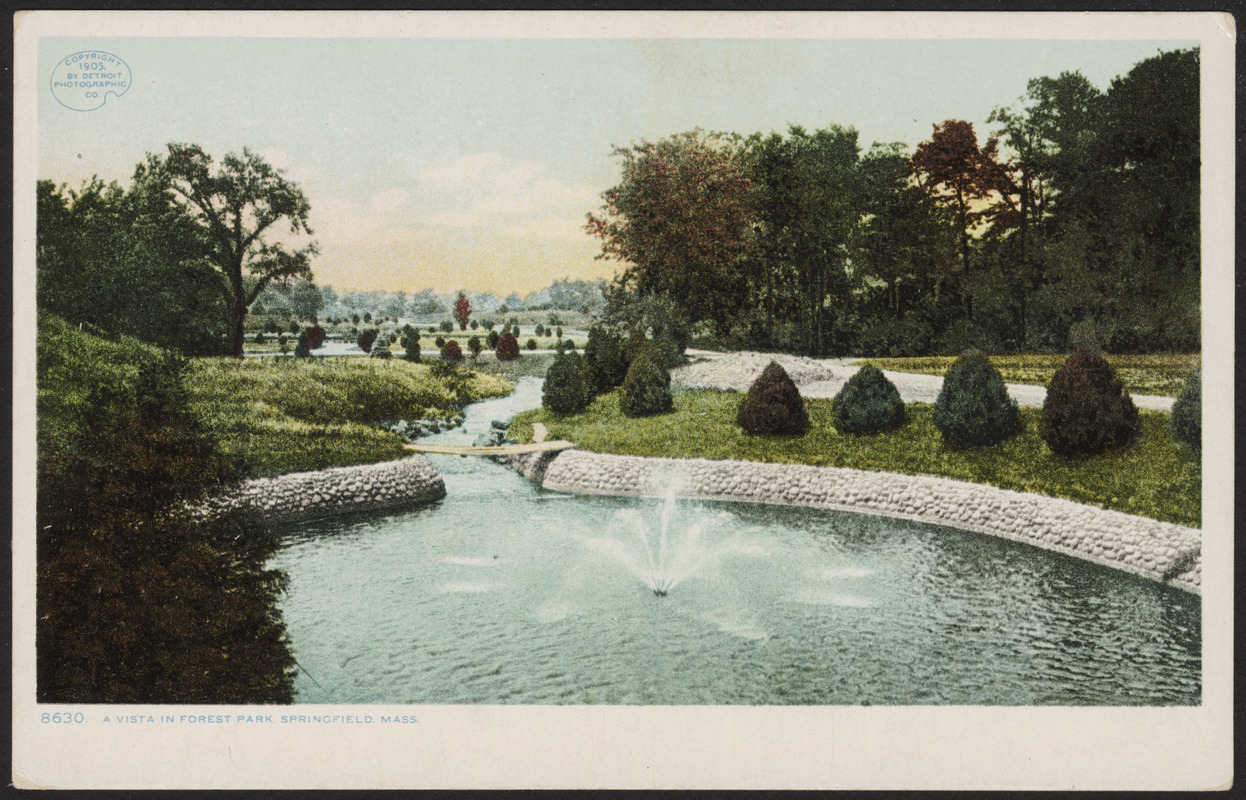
(532, 344)
(973, 408)
(367, 339)
(1087, 410)
(773, 404)
(565, 390)
(439, 342)
(604, 360)
(474, 345)
(491, 341)
(867, 403)
(1186, 422)
(411, 343)
(302, 349)
(646, 388)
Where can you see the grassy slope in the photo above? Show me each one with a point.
(1161, 373)
(293, 415)
(1154, 477)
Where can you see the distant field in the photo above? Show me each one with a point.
(1162, 374)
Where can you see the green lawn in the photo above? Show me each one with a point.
(1155, 477)
(1159, 373)
(301, 414)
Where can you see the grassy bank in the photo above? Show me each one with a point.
(291, 415)
(1154, 477)
(1157, 373)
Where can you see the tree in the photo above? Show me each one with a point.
(129, 263)
(681, 219)
(809, 213)
(952, 167)
(306, 300)
(462, 310)
(236, 204)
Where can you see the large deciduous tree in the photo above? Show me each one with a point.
(681, 218)
(952, 166)
(238, 204)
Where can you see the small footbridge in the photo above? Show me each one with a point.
(489, 450)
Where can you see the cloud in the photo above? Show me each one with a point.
(488, 187)
(549, 229)
(298, 173)
(388, 200)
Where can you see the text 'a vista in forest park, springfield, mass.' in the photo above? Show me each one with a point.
(83, 81)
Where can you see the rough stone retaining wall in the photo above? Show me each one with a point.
(405, 483)
(1143, 546)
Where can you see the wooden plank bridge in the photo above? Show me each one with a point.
(490, 450)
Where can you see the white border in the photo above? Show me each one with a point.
(649, 747)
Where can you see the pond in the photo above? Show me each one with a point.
(507, 593)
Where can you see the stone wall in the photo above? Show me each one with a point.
(391, 485)
(1157, 550)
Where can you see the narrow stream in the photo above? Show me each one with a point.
(507, 593)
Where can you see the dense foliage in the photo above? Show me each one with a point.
(452, 351)
(973, 408)
(462, 310)
(868, 403)
(137, 602)
(773, 404)
(1186, 423)
(565, 390)
(366, 339)
(646, 388)
(1087, 410)
(1074, 222)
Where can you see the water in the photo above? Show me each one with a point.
(506, 593)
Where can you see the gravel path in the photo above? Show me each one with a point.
(825, 377)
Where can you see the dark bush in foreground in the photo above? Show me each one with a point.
(646, 389)
(1087, 410)
(1186, 422)
(973, 408)
(532, 344)
(508, 347)
(867, 403)
(474, 345)
(136, 602)
(452, 351)
(565, 390)
(303, 348)
(773, 404)
(367, 339)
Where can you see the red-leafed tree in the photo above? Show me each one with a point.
(462, 310)
(236, 203)
(682, 218)
(952, 167)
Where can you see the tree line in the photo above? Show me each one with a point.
(1076, 223)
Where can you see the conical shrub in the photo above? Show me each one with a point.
(867, 403)
(973, 408)
(646, 389)
(1186, 422)
(605, 361)
(564, 390)
(1087, 410)
(773, 404)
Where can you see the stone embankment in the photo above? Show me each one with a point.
(300, 496)
(1158, 550)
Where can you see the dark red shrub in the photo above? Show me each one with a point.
(452, 351)
(508, 347)
(773, 404)
(315, 337)
(1087, 410)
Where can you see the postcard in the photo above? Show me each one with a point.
(731, 400)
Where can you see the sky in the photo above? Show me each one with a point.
(470, 163)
